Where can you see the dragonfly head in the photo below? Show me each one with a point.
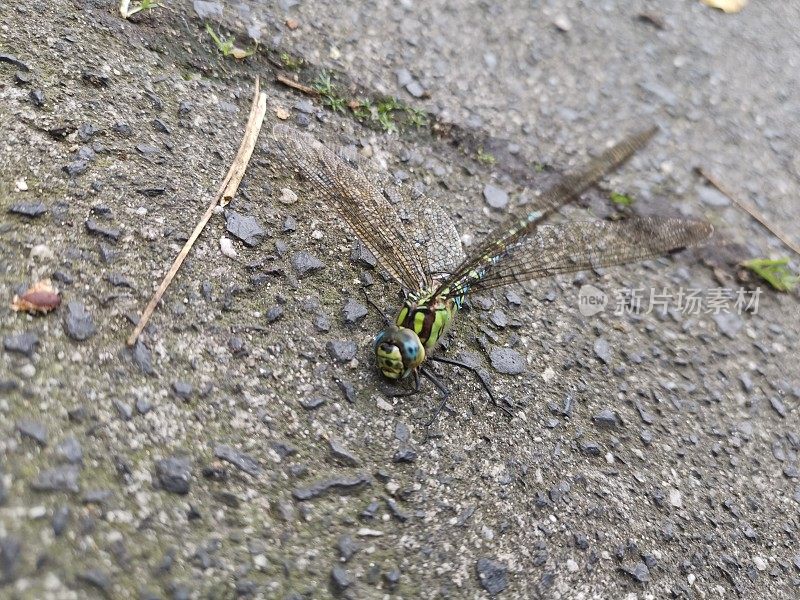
(398, 352)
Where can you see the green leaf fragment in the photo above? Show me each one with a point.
(775, 272)
(621, 199)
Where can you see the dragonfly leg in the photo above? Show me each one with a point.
(478, 376)
(407, 392)
(386, 319)
(445, 395)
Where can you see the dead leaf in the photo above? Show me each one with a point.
(281, 113)
(241, 53)
(728, 6)
(41, 297)
(292, 24)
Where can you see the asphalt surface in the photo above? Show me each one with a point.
(247, 447)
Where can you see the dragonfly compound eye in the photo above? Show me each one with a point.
(398, 352)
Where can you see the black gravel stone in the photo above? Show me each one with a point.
(160, 126)
(28, 209)
(58, 479)
(348, 389)
(405, 455)
(507, 361)
(241, 461)
(142, 358)
(397, 512)
(340, 579)
(182, 389)
(60, 519)
(347, 547)
(13, 60)
(590, 448)
(119, 280)
(370, 511)
(284, 449)
(33, 430)
(353, 312)
(289, 224)
(322, 323)
(124, 410)
(492, 575)
(77, 167)
(274, 313)
(244, 227)
(10, 551)
(639, 572)
(342, 350)
(495, 197)
(606, 418)
(778, 406)
(69, 450)
(37, 98)
(342, 454)
(97, 579)
(22, 343)
(143, 406)
(312, 403)
(401, 432)
(343, 483)
(96, 228)
(147, 149)
(305, 263)
(96, 78)
(97, 497)
(499, 319)
(174, 474)
(602, 350)
(392, 578)
(78, 322)
(361, 256)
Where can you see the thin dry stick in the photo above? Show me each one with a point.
(224, 195)
(751, 210)
(296, 85)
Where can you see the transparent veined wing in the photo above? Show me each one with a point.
(359, 202)
(525, 220)
(579, 245)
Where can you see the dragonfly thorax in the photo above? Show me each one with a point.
(398, 351)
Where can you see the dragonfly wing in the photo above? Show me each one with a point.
(529, 217)
(580, 245)
(358, 201)
(430, 227)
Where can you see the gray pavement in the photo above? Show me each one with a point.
(248, 448)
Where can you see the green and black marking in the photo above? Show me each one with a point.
(424, 255)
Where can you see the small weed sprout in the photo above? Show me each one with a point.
(228, 47)
(486, 158)
(327, 91)
(127, 12)
(291, 63)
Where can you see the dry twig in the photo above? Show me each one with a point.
(224, 195)
(296, 85)
(750, 210)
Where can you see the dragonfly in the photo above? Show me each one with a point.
(422, 252)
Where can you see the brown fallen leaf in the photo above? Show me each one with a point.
(41, 297)
(282, 113)
(728, 6)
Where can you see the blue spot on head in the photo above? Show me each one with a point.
(378, 338)
(411, 349)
